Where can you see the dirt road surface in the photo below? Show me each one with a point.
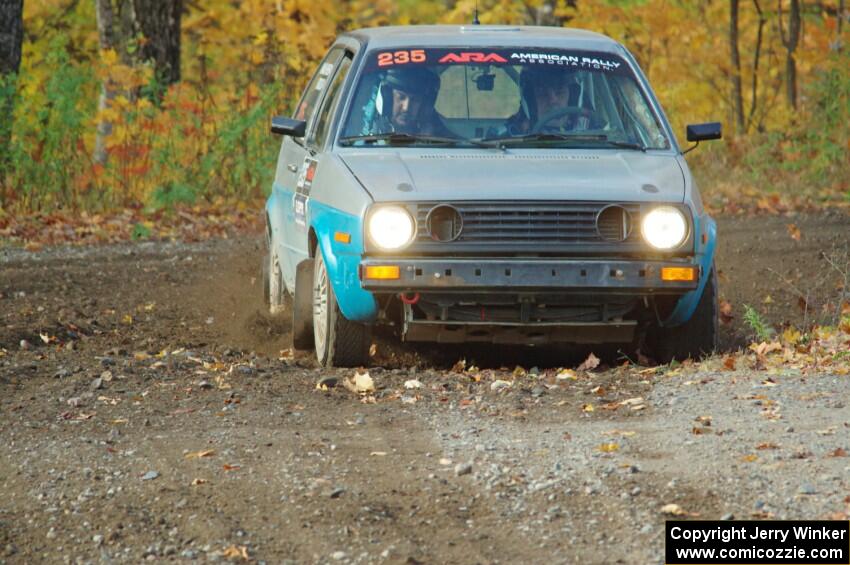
(149, 412)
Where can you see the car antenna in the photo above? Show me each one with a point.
(475, 20)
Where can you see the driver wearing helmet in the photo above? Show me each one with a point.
(404, 103)
(550, 102)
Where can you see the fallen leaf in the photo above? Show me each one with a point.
(199, 454)
(698, 431)
(566, 374)
(234, 552)
(609, 447)
(726, 316)
(632, 401)
(837, 452)
(598, 390)
(729, 363)
(412, 383)
(587, 407)
(749, 458)
(227, 467)
(196, 482)
(767, 445)
(362, 383)
(794, 232)
(672, 510)
(378, 453)
(459, 367)
(791, 336)
(623, 433)
(589, 364)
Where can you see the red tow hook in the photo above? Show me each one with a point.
(409, 300)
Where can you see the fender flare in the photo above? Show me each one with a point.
(687, 305)
(342, 261)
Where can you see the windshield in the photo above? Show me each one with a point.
(508, 97)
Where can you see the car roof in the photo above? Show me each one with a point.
(485, 36)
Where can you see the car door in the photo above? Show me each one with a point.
(316, 140)
(295, 156)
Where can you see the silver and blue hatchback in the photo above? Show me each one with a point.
(487, 184)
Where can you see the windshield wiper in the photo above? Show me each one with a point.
(627, 145)
(541, 136)
(402, 138)
(555, 137)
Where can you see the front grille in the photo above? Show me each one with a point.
(536, 222)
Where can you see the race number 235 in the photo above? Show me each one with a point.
(401, 57)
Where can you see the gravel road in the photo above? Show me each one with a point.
(151, 411)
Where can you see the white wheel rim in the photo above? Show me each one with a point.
(275, 302)
(320, 305)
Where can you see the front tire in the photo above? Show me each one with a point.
(697, 337)
(302, 306)
(339, 342)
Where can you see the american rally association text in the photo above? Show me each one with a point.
(762, 532)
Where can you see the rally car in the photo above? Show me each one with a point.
(487, 184)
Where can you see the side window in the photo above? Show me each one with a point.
(331, 100)
(313, 93)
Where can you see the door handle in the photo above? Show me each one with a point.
(292, 167)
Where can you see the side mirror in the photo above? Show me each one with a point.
(288, 126)
(704, 132)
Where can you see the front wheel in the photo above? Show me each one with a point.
(339, 342)
(274, 289)
(695, 338)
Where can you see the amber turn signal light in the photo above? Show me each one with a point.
(678, 274)
(383, 272)
(342, 237)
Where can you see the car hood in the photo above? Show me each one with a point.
(410, 174)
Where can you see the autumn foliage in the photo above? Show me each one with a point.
(204, 140)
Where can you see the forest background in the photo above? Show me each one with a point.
(158, 106)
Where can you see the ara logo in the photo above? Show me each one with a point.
(473, 57)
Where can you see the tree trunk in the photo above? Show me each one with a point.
(119, 24)
(159, 22)
(11, 37)
(790, 41)
(756, 58)
(737, 96)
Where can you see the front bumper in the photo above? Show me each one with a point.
(560, 275)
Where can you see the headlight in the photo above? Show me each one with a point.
(664, 227)
(390, 227)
